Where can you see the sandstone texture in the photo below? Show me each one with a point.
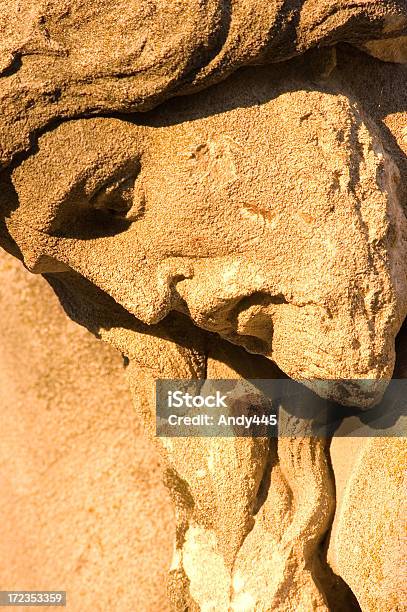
(323, 178)
(81, 488)
(215, 190)
(69, 58)
(367, 544)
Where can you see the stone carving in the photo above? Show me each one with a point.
(249, 227)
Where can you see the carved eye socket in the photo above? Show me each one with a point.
(101, 211)
(116, 198)
(122, 197)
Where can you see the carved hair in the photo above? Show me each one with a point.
(62, 59)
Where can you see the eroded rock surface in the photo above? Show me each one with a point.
(69, 58)
(254, 229)
(74, 462)
(367, 546)
(323, 192)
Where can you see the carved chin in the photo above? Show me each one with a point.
(344, 358)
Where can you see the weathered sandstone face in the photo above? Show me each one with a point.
(255, 220)
(271, 217)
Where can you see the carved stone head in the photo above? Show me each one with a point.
(264, 209)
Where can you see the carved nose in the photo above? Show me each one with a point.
(243, 319)
(255, 322)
